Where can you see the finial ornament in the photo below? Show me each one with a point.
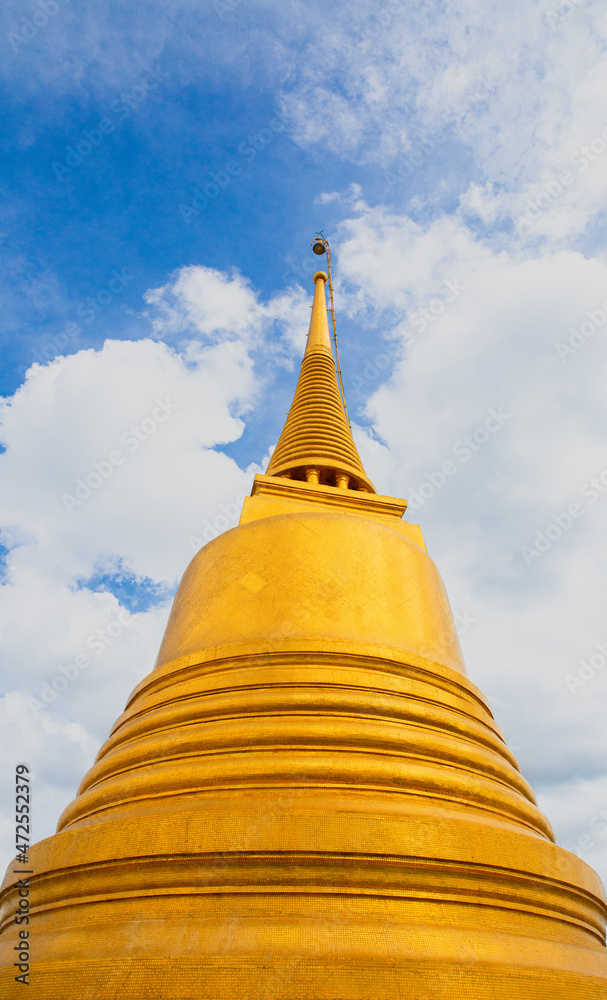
(319, 244)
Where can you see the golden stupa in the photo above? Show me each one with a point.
(307, 799)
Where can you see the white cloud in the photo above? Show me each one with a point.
(481, 201)
(468, 316)
(515, 92)
(209, 304)
(86, 437)
(207, 301)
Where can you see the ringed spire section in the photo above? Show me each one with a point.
(316, 444)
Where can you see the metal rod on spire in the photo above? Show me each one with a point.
(320, 245)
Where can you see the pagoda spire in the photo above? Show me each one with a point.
(316, 444)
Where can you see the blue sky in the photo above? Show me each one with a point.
(164, 168)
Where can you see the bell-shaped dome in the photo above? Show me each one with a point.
(315, 576)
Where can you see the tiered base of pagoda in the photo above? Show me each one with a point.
(292, 899)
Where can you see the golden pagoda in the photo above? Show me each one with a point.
(307, 799)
